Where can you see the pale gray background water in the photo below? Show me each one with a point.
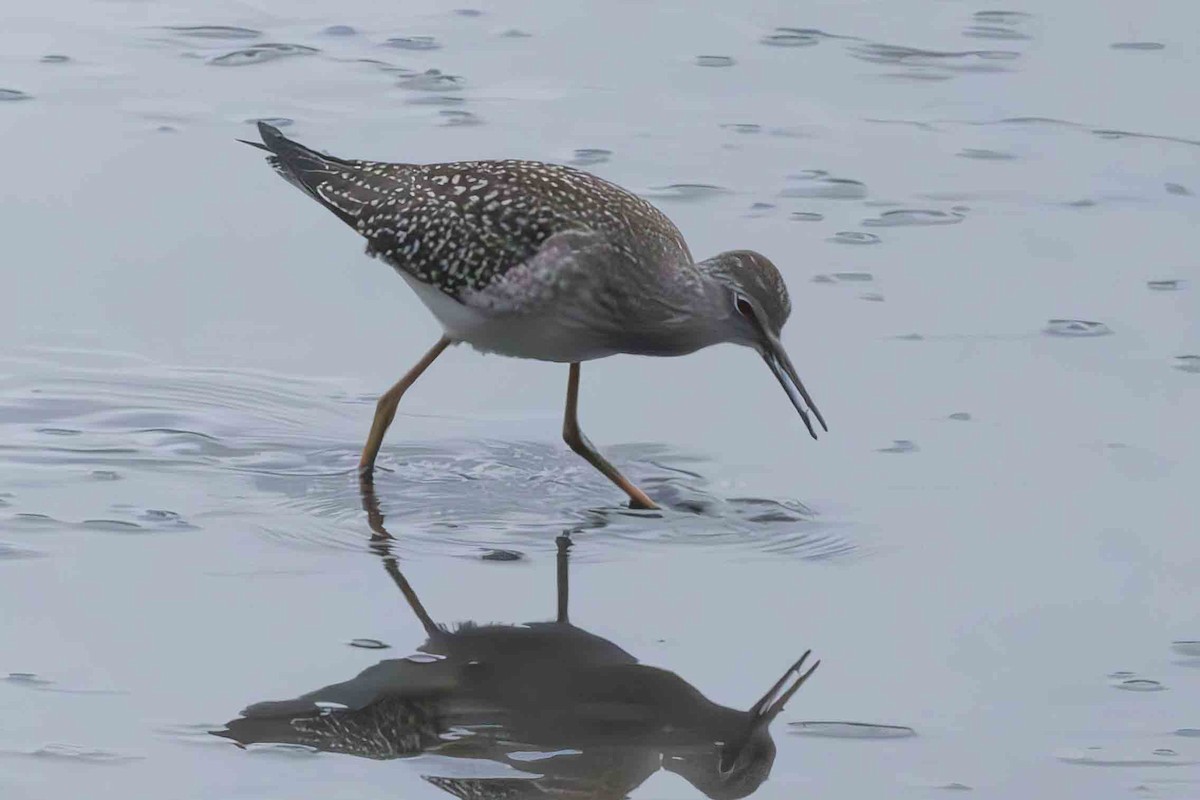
(182, 332)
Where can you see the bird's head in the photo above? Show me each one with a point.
(739, 764)
(758, 308)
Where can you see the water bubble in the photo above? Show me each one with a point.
(854, 237)
(587, 156)
(900, 446)
(913, 216)
(1166, 285)
(715, 61)
(339, 30)
(760, 209)
(792, 37)
(686, 191)
(413, 43)
(259, 53)
(1177, 189)
(502, 555)
(1188, 363)
(851, 730)
(54, 59)
(820, 184)
(14, 94)
(214, 31)
(806, 216)
(432, 80)
(1137, 45)
(1139, 685)
(1076, 327)
(960, 416)
(369, 644)
(984, 154)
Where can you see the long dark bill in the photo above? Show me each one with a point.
(777, 359)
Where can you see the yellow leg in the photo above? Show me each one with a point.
(385, 409)
(580, 444)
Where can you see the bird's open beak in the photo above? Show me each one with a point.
(777, 359)
(771, 703)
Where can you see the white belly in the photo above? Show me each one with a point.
(538, 336)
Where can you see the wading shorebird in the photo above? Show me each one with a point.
(541, 261)
(569, 714)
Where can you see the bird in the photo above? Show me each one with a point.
(499, 693)
(541, 261)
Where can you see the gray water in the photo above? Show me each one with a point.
(986, 217)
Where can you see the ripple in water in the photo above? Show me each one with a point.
(432, 80)
(502, 555)
(851, 730)
(820, 184)
(278, 122)
(689, 192)
(900, 446)
(589, 156)
(214, 31)
(854, 237)
(369, 644)
(1169, 285)
(260, 436)
(1138, 685)
(54, 58)
(715, 61)
(792, 37)
(1079, 328)
(454, 118)
(913, 216)
(1137, 45)
(742, 127)
(90, 755)
(984, 154)
(339, 30)
(8, 95)
(1123, 757)
(413, 43)
(1186, 647)
(806, 216)
(261, 53)
(944, 63)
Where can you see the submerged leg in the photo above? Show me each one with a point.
(580, 444)
(385, 409)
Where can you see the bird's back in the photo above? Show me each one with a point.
(461, 225)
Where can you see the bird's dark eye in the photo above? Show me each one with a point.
(743, 306)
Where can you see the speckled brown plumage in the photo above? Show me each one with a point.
(461, 225)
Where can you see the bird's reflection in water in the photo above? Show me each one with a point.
(574, 712)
